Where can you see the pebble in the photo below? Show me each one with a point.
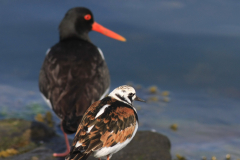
(213, 158)
(204, 158)
(228, 157)
(174, 127)
(166, 99)
(34, 158)
(153, 89)
(179, 157)
(165, 93)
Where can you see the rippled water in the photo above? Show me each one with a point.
(169, 44)
(207, 125)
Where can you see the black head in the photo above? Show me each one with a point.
(76, 24)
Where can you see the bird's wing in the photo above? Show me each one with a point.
(105, 124)
(72, 79)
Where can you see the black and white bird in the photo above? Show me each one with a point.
(107, 126)
(74, 73)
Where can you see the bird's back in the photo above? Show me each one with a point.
(72, 77)
(107, 126)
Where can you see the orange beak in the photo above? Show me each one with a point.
(99, 28)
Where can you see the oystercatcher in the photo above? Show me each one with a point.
(74, 73)
(107, 126)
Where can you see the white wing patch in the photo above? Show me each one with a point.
(105, 93)
(49, 49)
(78, 144)
(134, 109)
(90, 128)
(47, 101)
(101, 53)
(101, 111)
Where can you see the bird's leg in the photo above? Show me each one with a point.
(67, 145)
(108, 157)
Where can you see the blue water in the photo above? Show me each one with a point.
(190, 48)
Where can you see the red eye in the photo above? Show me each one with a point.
(87, 17)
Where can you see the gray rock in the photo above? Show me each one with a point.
(146, 145)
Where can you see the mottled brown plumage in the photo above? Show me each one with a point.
(106, 125)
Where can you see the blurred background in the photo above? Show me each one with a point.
(189, 49)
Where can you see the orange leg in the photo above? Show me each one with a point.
(108, 157)
(67, 145)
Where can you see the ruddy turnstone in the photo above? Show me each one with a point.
(107, 126)
(74, 73)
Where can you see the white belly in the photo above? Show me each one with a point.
(47, 101)
(103, 152)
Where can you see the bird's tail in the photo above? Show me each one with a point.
(77, 156)
(70, 123)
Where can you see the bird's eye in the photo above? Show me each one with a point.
(131, 94)
(87, 17)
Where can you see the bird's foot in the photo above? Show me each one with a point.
(64, 154)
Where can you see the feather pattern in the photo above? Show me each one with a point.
(110, 132)
(72, 77)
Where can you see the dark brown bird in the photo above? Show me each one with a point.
(74, 73)
(107, 126)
